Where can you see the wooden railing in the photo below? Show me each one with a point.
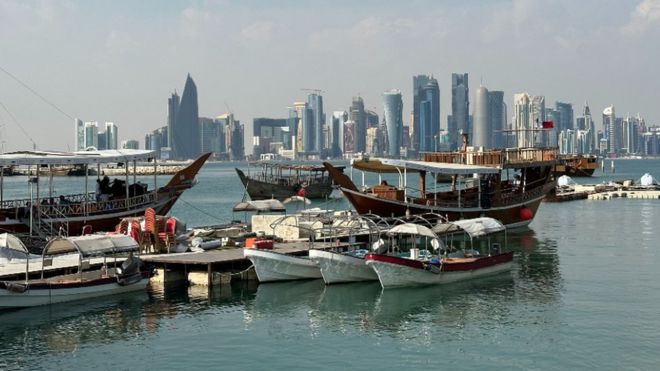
(509, 156)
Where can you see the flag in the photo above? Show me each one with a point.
(548, 124)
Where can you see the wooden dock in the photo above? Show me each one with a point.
(636, 193)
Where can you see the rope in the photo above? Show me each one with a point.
(243, 271)
(200, 210)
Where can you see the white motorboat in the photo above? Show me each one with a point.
(395, 270)
(342, 267)
(273, 266)
(112, 278)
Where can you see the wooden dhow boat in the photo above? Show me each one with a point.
(112, 278)
(45, 214)
(281, 181)
(576, 165)
(432, 261)
(507, 185)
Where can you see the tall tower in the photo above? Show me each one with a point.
(79, 135)
(482, 130)
(460, 106)
(496, 118)
(172, 109)
(565, 116)
(317, 122)
(393, 116)
(185, 134)
(339, 118)
(523, 120)
(111, 133)
(358, 116)
(610, 127)
(419, 82)
(429, 117)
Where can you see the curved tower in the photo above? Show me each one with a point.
(480, 130)
(393, 116)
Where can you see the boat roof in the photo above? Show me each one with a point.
(292, 166)
(259, 206)
(413, 229)
(74, 158)
(91, 245)
(11, 242)
(440, 167)
(476, 227)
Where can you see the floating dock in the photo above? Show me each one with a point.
(639, 194)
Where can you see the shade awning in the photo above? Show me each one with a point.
(91, 245)
(412, 229)
(74, 158)
(440, 167)
(476, 227)
(259, 206)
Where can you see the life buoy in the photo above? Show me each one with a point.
(526, 213)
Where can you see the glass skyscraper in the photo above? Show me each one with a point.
(429, 117)
(393, 116)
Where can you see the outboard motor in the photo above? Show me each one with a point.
(131, 271)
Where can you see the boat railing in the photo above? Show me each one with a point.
(509, 156)
(91, 207)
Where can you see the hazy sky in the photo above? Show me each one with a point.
(119, 60)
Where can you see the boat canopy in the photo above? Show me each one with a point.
(91, 245)
(75, 158)
(259, 206)
(374, 165)
(440, 167)
(413, 229)
(565, 180)
(11, 245)
(476, 227)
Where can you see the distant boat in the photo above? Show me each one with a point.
(576, 165)
(281, 181)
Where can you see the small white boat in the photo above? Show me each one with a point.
(342, 267)
(111, 279)
(272, 266)
(395, 270)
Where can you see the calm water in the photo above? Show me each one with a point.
(584, 294)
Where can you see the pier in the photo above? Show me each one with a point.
(639, 194)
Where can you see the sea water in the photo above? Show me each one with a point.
(583, 294)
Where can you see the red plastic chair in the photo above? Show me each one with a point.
(166, 236)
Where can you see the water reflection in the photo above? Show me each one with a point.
(537, 267)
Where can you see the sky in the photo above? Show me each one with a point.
(120, 60)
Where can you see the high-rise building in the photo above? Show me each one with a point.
(317, 122)
(79, 135)
(212, 136)
(172, 110)
(460, 107)
(496, 118)
(393, 116)
(266, 132)
(349, 137)
(305, 128)
(523, 122)
(111, 134)
(233, 135)
(585, 123)
(358, 116)
(428, 116)
(565, 115)
(130, 144)
(185, 131)
(339, 118)
(91, 134)
(481, 132)
(610, 129)
(419, 82)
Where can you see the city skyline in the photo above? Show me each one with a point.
(122, 69)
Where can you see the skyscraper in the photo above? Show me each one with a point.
(172, 110)
(393, 116)
(481, 132)
(79, 135)
(339, 118)
(357, 115)
(419, 82)
(185, 131)
(610, 128)
(316, 124)
(429, 117)
(496, 118)
(91, 135)
(460, 106)
(304, 128)
(111, 134)
(565, 115)
(523, 122)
